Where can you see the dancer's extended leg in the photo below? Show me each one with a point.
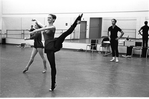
(61, 38)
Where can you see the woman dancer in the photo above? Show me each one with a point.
(52, 44)
(38, 47)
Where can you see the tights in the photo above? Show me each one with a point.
(61, 38)
(51, 59)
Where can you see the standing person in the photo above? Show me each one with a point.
(144, 32)
(52, 44)
(112, 34)
(38, 47)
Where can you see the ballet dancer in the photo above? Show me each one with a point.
(38, 47)
(52, 44)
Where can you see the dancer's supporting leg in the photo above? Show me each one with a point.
(51, 58)
(34, 52)
(62, 37)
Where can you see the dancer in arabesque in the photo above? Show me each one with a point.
(52, 44)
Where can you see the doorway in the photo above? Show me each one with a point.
(95, 28)
(83, 25)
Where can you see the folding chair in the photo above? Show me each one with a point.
(105, 44)
(138, 46)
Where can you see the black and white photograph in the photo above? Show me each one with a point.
(74, 48)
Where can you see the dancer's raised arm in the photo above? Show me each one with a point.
(38, 23)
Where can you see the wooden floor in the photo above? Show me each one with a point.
(79, 74)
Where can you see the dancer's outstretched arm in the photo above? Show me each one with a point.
(42, 29)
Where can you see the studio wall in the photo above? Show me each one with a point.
(131, 14)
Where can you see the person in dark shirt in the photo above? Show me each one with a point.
(144, 32)
(113, 36)
(52, 44)
(38, 47)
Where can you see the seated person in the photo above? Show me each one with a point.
(129, 50)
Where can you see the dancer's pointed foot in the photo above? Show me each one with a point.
(78, 19)
(25, 70)
(81, 15)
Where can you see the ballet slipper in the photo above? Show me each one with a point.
(81, 15)
(52, 88)
(78, 19)
(25, 70)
